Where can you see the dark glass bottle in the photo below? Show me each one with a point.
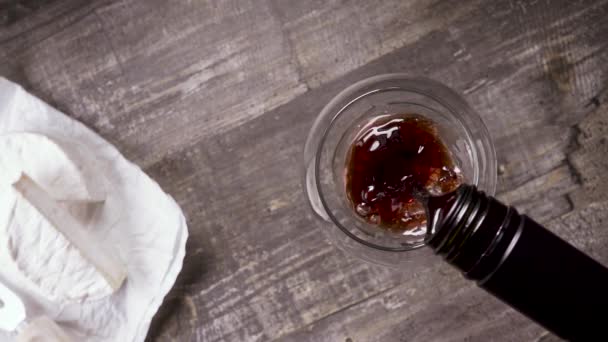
(522, 263)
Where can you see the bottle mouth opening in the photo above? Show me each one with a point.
(447, 211)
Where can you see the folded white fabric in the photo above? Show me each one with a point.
(143, 225)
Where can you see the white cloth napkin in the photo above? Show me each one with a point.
(145, 225)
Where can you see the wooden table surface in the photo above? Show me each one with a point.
(214, 99)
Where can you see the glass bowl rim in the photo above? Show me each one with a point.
(453, 101)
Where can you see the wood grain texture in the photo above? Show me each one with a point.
(214, 100)
(589, 161)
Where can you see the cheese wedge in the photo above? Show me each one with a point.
(57, 167)
(54, 251)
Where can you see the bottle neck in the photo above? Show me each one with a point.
(520, 262)
(471, 230)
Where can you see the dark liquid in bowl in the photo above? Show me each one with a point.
(391, 159)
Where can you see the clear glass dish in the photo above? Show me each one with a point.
(330, 138)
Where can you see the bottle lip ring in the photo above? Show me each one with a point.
(438, 240)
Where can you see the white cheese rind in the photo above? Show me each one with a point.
(72, 239)
(43, 256)
(57, 167)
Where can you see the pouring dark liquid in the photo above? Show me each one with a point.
(391, 159)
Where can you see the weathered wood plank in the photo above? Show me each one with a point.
(128, 65)
(589, 161)
(547, 209)
(547, 146)
(158, 56)
(330, 40)
(557, 182)
(214, 100)
(586, 229)
(438, 305)
(19, 16)
(593, 127)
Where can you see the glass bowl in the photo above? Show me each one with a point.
(334, 130)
